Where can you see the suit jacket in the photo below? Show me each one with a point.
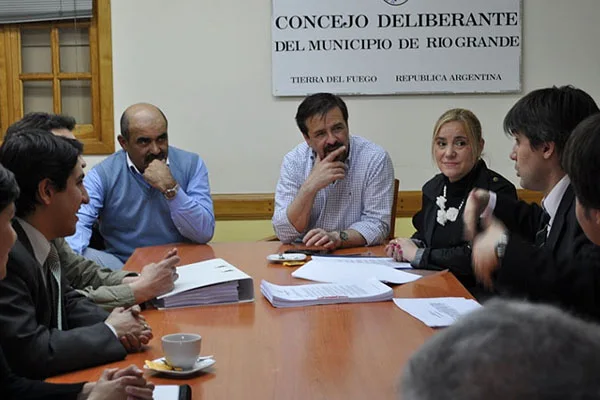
(524, 219)
(101, 285)
(456, 256)
(14, 387)
(565, 271)
(31, 342)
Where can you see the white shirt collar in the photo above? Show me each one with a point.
(39, 243)
(132, 166)
(552, 201)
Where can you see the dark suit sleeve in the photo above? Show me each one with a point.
(80, 311)
(13, 386)
(533, 273)
(504, 188)
(35, 351)
(458, 258)
(519, 216)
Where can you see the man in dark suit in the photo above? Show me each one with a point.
(582, 163)
(103, 286)
(47, 327)
(113, 383)
(526, 250)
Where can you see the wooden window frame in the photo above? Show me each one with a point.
(98, 137)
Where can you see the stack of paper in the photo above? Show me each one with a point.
(325, 293)
(359, 269)
(438, 311)
(208, 282)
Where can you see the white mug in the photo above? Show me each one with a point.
(181, 349)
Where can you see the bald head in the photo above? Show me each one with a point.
(142, 116)
(144, 135)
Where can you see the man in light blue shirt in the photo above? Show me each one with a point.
(146, 194)
(335, 190)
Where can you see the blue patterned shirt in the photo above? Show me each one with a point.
(362, 201)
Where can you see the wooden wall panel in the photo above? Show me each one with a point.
(259, 206)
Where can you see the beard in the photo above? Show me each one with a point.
(330, 148)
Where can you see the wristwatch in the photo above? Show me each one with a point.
(170, 193)
(343, 236)
(500, 248)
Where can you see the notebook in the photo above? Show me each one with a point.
(208, 282)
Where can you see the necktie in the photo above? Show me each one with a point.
(542, 233)
(53, 266)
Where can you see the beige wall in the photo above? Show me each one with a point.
(208, 65)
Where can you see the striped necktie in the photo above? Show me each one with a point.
(53, 266)
(542, 233)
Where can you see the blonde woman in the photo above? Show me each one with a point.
(438, 242)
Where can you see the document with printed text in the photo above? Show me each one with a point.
(329, 269)
(365, 260)
(325, 293)
(438, 311)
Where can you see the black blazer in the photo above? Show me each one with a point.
(31, 342)
(457, 256)
(565, 271)
(18, 388)
(524, 219)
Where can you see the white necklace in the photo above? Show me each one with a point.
(444, 215)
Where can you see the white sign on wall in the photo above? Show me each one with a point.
(396, 46)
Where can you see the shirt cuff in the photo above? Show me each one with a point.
(368, 231)
(416, 262)
(491, 205)
(111, 329)
(178, 200)
(418, 242)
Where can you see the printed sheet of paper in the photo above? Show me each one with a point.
(325, 293)
(329, 269)
(385, 261)
(437, 311)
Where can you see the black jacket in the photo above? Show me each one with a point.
(565, 271)
(14, 387)
(456, 256)
(32, 344)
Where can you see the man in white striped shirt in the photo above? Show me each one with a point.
(335, 190)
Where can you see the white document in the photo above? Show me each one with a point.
(385, 261)
(330, 269)
(325, 293)
(208, 282)
(438, 311)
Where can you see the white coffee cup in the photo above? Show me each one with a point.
(181, 349)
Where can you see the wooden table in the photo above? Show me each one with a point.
(345, 351)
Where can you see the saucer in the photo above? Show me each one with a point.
(199, 366)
